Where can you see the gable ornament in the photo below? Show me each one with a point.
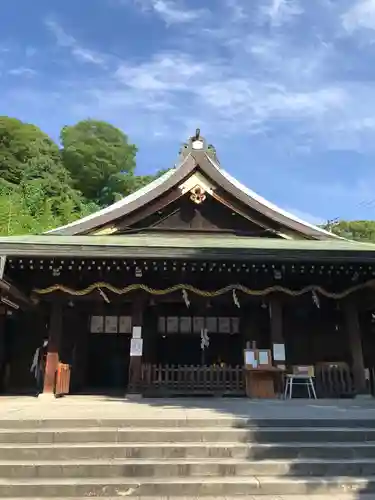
(197, 194)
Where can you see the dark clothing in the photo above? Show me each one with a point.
(38, 367)
(39, 381)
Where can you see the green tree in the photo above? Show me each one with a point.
(26, 209)
(100, 159)
(41, 186)
(360, 230)
(36, 190)
(26, 152)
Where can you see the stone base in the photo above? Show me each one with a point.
(133, 396)
(364, 396)
(46, 396)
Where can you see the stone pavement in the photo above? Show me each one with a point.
(101, 407)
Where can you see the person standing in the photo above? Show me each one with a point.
(38, 366)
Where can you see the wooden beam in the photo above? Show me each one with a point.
(54, 339)
(276, 319)
(135, 362)
(277, 333)
(15, 294)
(355, 344)
(148, 210)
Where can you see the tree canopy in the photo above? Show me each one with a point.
(100, 160)
(20, 145)
(43, 186)
(359, 230)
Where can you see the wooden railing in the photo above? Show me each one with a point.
(192, 380)
(334, 380)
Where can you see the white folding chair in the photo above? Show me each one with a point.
(303, 376)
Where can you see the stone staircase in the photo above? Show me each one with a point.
(222, 458)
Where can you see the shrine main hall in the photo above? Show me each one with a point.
(163, 292)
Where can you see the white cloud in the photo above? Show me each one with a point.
(167, 72)
(86, 55)
(62, 38)
(67, 41)
(210, 90)
(360, 15)
(22, 71)
(171, 11)
(237, 10)
(279, 12)
(172, 14)
(231, 74)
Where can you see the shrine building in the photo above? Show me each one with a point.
(161, 292)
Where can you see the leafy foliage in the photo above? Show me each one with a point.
(43, 187)
(100, 160)
(20, 145)
(360, 230)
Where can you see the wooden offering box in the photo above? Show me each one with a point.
(260, 374)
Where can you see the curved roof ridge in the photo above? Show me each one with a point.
(260, 199)
(118, 204)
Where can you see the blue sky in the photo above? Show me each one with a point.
(283, 88)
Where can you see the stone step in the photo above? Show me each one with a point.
(185, 468)
(179, 487)
(189, 435)
(348, 496)
(202, 423)
(87, 451)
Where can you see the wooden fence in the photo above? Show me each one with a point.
(334, 381)
(331, 380)
(187, 380)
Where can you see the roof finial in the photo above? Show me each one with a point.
(195, 142)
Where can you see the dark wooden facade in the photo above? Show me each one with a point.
(192, 250)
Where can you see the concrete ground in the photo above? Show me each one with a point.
(101, 407)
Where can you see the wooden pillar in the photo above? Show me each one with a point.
(277, 336)
(54, 339)
(250, 327)
(276, 324)
(276, 320)
(353, 330)
(80, 333)
(135, 362)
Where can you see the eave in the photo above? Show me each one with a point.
(199, 247)
(8, 291)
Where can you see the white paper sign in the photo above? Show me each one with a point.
(137, 332)
(97, 324)
(235, 325)
(136, 347)
(279, 352)
(111, 324)
(263, 358)
(250, 359)
(125, 324)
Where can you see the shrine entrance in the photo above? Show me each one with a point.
(108, 354)
(108, 363)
